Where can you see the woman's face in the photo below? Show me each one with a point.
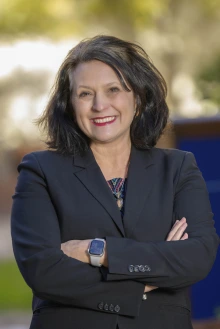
(103, 109)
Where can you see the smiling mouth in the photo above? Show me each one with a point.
(104, 120)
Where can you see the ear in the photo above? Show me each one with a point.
(135, 102)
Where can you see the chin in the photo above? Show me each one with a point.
(104, 140)
(103, 137)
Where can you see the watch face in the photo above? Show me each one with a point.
(96, 247)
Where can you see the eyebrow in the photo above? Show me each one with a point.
(107, 84)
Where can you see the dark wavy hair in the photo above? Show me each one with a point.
(133, 68)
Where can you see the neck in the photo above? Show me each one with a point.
(112, 155)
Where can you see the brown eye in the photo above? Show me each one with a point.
(114, 89)
(84, 94)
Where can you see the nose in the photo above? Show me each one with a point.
(100, 102)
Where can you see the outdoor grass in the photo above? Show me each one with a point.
(14, 293)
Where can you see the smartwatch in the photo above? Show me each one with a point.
(96, 251)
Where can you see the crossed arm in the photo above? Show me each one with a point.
(78, 248)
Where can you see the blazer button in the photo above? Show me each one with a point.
(111, 307)
(147, 268)
(141, 268)
(136, 268)
(101, 305)
(117, 308)
(131, 268)
(144, 297)
(106, 307)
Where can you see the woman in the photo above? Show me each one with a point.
(109, 231)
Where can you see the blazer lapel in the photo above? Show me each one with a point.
(88, 172)
(141, 177)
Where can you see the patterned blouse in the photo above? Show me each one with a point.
(118, 187)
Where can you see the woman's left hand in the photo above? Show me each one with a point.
(78, 249)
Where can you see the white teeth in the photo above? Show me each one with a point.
(103, 120)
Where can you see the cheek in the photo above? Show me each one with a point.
(127, 102)
(128, 108)
(80, 111)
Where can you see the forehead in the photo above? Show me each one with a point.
(93, 72)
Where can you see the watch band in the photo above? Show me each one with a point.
(95, 260)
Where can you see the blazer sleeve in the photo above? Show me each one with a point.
(173, 264)
(50, 273)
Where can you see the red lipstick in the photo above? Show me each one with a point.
(102, 123)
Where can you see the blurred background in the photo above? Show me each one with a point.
(182, 39)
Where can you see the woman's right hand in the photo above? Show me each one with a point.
(176, 233)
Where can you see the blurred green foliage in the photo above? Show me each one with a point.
(14, 293)
(209, 81)
(124, 17)
(53, 18)
(58, 18)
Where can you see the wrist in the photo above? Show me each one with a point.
(85, 246)
(104, 260)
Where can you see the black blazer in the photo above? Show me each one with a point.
(60, 198)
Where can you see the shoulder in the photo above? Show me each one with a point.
(174, 160)
(168, 152)
(179, 166)
(46, 155)
(45, 160)
(168, 159)
(171, 155)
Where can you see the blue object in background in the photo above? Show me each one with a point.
(205, 295)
